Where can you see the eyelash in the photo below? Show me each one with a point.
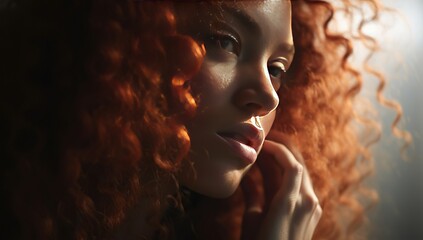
(280, 76)
(217, 40)
(281, 73)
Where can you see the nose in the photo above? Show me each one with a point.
(255, 94)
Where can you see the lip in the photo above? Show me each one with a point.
(244, 139)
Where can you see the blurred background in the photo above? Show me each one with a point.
(399, 181)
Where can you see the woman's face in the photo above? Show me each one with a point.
(249, 46)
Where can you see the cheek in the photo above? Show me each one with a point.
(213, 80)
(267, 121)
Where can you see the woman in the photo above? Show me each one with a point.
(161, 120)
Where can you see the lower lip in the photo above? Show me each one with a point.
(246, 152)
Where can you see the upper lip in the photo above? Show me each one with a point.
(247, 133)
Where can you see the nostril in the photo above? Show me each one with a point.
(255, 101)
(253, 107)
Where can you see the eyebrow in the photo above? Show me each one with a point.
(245, 19)
(287, 48)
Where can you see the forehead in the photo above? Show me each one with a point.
(268, 7)
(267, 16)
(268, 22)
(207, 9)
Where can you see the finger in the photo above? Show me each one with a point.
(291, 144)
(292, 177)
(252, 187)
(314, 220)
(277, 223)
(272, 175)
(305, 209)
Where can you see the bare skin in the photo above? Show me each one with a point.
(288, 208)
(238, 84)
(293, 207)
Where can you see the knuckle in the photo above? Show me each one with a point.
(291, 203)
(319, 211)
(310, 203)
(297, 169)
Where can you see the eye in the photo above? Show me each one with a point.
(277, 74)
(223, 42)
(276, 71)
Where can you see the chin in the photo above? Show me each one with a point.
(215, 187)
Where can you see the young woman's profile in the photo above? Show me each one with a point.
(180, 120)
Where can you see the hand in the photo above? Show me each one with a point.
(287, 208)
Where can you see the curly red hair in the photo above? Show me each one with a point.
(96, 108)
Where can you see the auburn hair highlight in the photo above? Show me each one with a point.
(94, 108)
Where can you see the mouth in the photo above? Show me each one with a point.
(244, 140)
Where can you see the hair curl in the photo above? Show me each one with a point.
(94, 108)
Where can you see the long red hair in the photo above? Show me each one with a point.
(95, 93)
